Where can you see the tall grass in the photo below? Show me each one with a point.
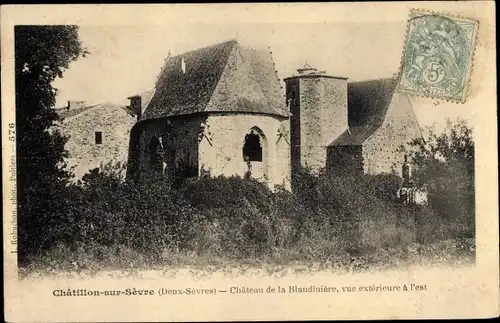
(115, 224)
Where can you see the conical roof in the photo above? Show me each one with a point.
(226, 77)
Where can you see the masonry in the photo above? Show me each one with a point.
(218, 110)
(98, 134)
(380, 121)
(221, 110)
(318, 106)
(179, 141)
(221, 151)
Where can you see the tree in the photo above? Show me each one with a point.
(445, 168)
(42, 53)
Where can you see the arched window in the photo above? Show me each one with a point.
(155, 159)
(252, 149)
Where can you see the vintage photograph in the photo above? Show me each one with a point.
(224, 159)
(249, 162)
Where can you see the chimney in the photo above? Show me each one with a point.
(136, 105)
(318, 105)
(72, 105)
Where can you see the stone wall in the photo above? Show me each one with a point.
(293, 100)
(312, 152)
(180, 142)
(283, 166)
(380, 150)
(221, 152)
(322, 113)
(334, 120)
(84, 154)
(344, 160)
(219, 149)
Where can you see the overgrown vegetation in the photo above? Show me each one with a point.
(445, 170)
(104, 221)
(42, 53)
(341, 220)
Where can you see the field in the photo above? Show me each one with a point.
(125, 263)
(329, 223)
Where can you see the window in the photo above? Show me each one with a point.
(98, 137)
(252, 149)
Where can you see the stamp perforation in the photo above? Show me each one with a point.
(467, 81)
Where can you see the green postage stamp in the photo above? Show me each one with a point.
(438, 55)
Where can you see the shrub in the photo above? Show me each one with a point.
(445, 169)
(240, 216)
(352, 206)
(146, 216)
(156, 220)
(223, 192)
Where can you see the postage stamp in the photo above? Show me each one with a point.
(438, 55)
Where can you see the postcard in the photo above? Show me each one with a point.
(241, 162)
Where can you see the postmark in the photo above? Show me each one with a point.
(438, 55)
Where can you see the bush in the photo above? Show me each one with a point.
(146, 217)
(222, 192)
(161, 221)
(445, 169)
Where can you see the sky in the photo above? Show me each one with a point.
(125, 60)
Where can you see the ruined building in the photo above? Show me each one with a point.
(221, 110)
(97, 134)
(348, 127)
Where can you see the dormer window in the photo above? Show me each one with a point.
(98, 137)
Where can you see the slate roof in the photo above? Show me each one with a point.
(368, 102)
(268, 97)
(179, 93)
(65, 113)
